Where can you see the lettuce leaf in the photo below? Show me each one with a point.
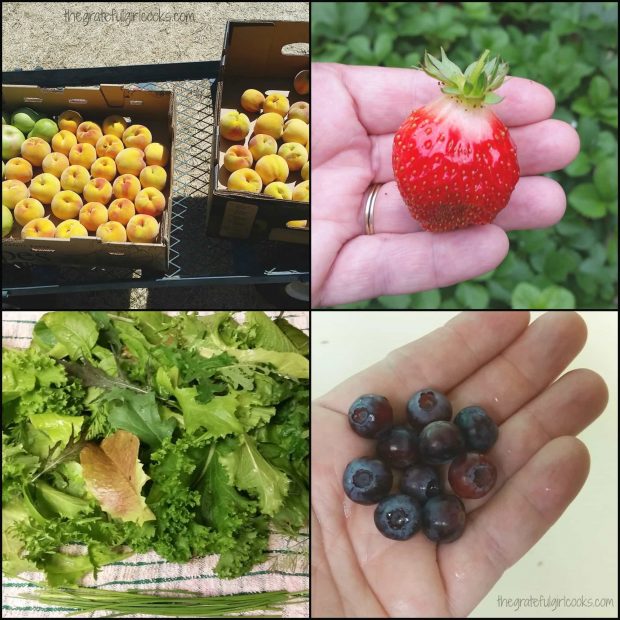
(66, 334)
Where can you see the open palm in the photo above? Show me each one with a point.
(492, 359)
(356, 111)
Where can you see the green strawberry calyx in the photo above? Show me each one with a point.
(476, 85)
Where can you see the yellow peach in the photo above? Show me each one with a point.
(109, 146)
(295, 131)
(44, 187)
(234, 125)
(35, 150)
(55, 163)
(272, 124)
(114, 125)
(18, 169)
(98, 190)
(237, 157)
(41, 227)
(301, 83)
(69, 121)
(88, 133)
(272, 168)
(126, 186)
(75, 178)
(252, 100)
(104, 168)
(111, 231)
(246, 180)
(279, 190)
(137, 136)
(261, 144)
(156, 154)
(27, 210)
(305, 171)
(150, 201)
(121, 210)
(276, 103)
(63, 141)
(130, 161)
(142, 229)
(70, 228)
(12, 192)
(92, 215)
(66, 205)
(153, 176)
(300, 110)
(301, 192)
(83, 154)
(294, 154)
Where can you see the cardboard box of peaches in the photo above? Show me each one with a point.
(260, 186)
(86, 176)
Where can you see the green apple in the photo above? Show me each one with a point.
(12, 139)
(44, 128)
(7, 221)
(24, 119)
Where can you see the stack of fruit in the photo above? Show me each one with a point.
(75, 178)
(274, 165)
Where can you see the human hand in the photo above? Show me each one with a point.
(357, 110)
(493, 359)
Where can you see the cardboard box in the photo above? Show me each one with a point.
(253, 58)
(155, 109)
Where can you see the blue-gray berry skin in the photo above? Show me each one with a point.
(477, 427)
(443, 518)
(370, 414)
(398, 517)
(426, 406)
(420, 482)
(398, 446)
(366, 481)
(440, 442)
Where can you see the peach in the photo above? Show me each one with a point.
(41, 227)
(305, 171)
(35, 150)
(261, 144)
(18, 169)
(88, 133)
(294, 154)
(153, 176)
(126, 186)
(92, 215)
(63, 141)
(74, 178)
(44, 187)
(272, 168)
(300, 110)
(12, 192)
(114, 125)
(55, 163)
(237, 157)
(66, 205)
(70, 228)
(109, 146)
(150, 201)
(156, 154)
(234, 125)
(137, 136)
(279, 190)
(252, 100)
(98, 190)
(83, 154)
(142, 229)
(111, 231)
(121, 210)
(276, 103)
(295, 131)
(272, 124)
(130, 161)
(245, 180)
(301, 192)
(27, 210)
(301, 83)
(104, 168)
(69, 121)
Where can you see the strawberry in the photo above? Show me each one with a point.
(454, 161)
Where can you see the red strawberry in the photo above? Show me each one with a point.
(454, 161)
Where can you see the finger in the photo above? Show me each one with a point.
(502, 531)
(537, 202)
(389, 264)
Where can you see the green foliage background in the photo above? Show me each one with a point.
(571, 47)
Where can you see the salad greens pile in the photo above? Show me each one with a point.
(135, 431)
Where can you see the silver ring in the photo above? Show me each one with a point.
(370, 198)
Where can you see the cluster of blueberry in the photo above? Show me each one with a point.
(429, 440)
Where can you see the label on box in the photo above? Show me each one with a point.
(238, 219)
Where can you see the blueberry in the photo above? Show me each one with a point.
(420, 482)
(478, 429)
(472, 475)
(443, 518)
(398, 517)
(440, 442)
(398, 447)
(370, 414)
(428, 406)
(366, 480)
